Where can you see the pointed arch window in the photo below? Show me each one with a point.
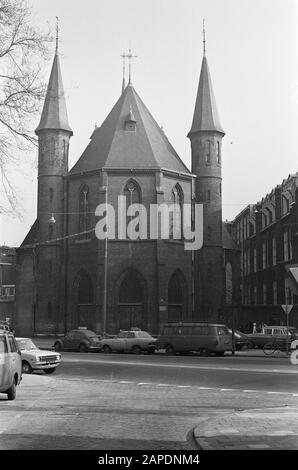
(218, 156)
(52, 150)
(84, 213)
(176, 215)
(132, 192)
(177, 297)
(209, 233)
(207, 152)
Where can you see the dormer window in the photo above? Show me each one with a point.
(130, 123)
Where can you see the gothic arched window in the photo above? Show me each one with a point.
(85, 289)
(52, 150)
(207, 152)
(132, 194)
(84, 213)
(131, 289)
(209, 233)
(176, 215)
(177, 294)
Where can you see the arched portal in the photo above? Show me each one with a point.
(84, 301)
(131, 310)
(177, 297)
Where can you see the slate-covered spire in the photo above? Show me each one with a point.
(206, 116)
(54, 113)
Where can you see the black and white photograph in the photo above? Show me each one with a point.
(148, 230)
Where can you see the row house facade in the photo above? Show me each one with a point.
(267, 235)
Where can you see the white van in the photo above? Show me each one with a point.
(10, 365)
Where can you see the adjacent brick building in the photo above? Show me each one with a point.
(7, 282)
(267, 236)
(66, 275)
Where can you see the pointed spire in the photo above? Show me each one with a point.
(206, 116)
(54, 113)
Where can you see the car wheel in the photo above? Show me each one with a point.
(82, 348)
(50, 371)
(169, 349)
(136, 350)
(12, 391)
(204, 352)
(26, 368)
(57, 347)
(106, 349)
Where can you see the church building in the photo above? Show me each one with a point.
(66, 276)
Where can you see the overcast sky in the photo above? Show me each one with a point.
(252, 50)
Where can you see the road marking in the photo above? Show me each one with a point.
(186, 366)
(145, 383)
(164, 385)
(126, 382)
(227, 389)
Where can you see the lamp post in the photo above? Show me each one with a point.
(105, 281)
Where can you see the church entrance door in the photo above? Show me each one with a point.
(131, 316)
(131, 311)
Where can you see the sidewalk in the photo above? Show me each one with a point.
(266, 429)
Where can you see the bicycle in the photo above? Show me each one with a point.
(275, 346)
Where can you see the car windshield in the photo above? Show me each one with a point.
(26, 344)
(143, 334)
(222, 330)
(88, 333)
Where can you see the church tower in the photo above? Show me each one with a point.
(53, 134)
(206, 138)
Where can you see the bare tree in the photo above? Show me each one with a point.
(23, 51)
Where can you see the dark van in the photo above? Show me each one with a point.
(194, 336)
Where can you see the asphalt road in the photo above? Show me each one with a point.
(124, 402)
(266, 374)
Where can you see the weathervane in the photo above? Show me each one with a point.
(128, 56)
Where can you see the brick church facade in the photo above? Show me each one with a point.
(66, 276)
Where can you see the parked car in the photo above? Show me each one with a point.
(81, 339)
(10, 365)
(184, 337)
(34, 358)
(134, 341)
(280, 334)
(242, 341)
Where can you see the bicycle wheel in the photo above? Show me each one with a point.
(269, 348)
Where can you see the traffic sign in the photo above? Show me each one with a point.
(287, 308)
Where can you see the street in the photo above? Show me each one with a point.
(124, 402)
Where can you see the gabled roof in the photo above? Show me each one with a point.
(31, 236)
(206, 116)
(54, 113)
(112, 146)
(227, 240)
